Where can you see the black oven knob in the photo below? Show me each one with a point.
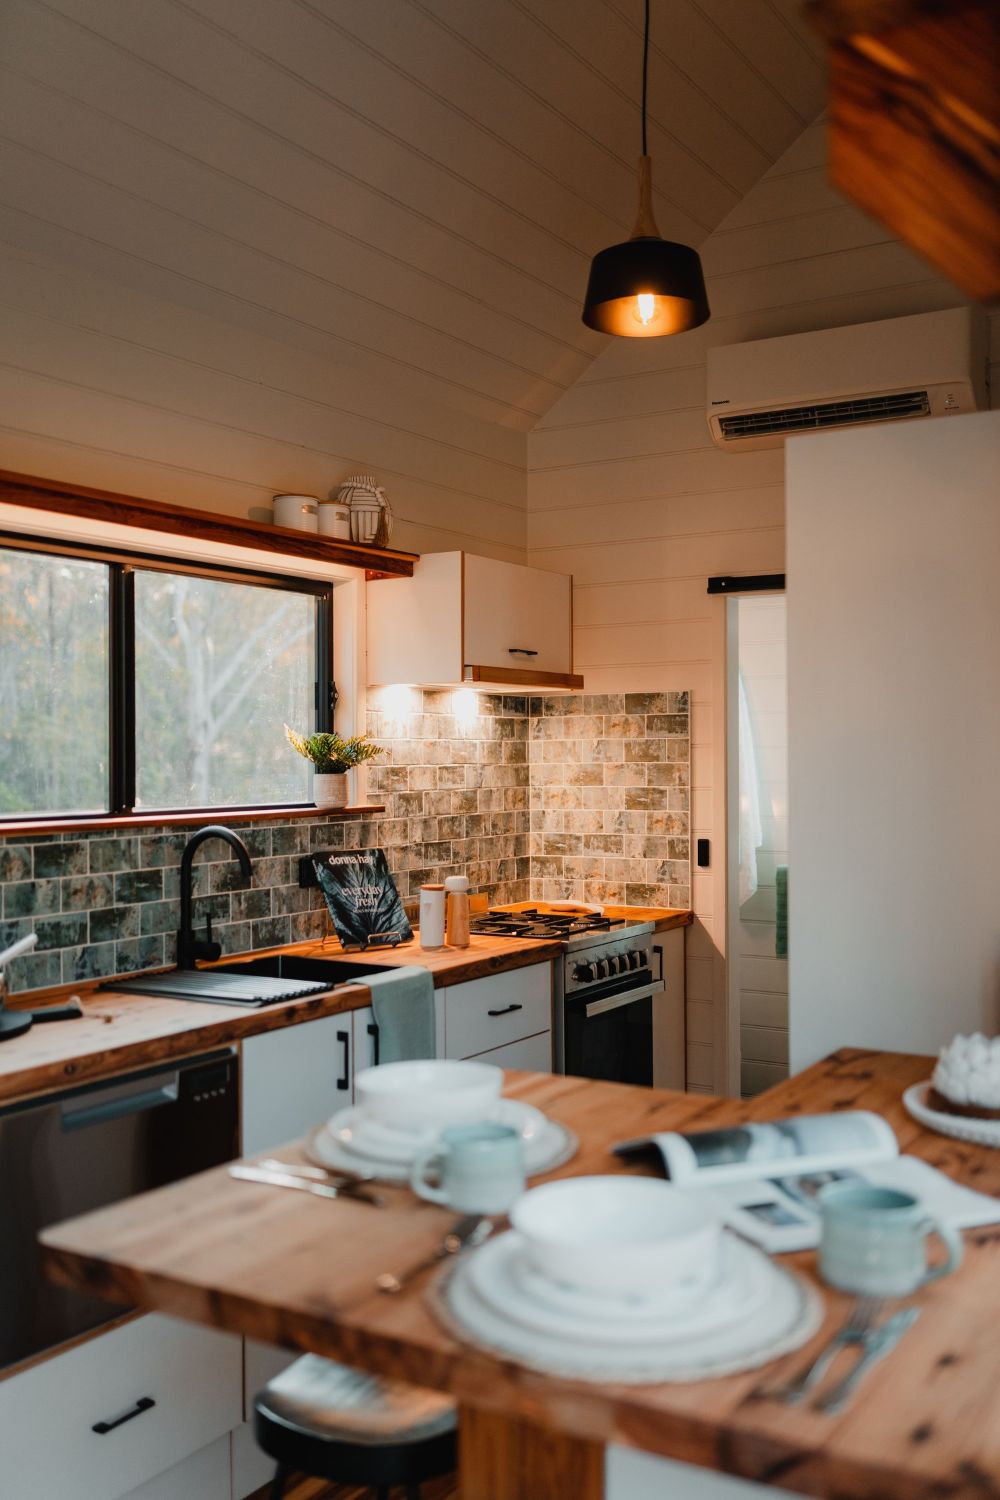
(614, 963)
(643, 959)
(601, 968)
(635, 959)
(584, 972)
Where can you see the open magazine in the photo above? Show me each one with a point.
(765, 1177)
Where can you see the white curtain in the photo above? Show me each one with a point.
(751, 832)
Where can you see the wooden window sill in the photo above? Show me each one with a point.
(31, 828)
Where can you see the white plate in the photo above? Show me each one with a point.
(786, 1316)
(379, 1142)
(547, 1144)
(962, 1127)
(744, 1282)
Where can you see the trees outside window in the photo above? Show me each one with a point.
(126, 687)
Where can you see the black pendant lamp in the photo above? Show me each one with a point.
(647, 286)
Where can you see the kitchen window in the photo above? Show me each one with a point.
(133, 684)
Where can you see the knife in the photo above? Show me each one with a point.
(877, 1344)
(355, 1192)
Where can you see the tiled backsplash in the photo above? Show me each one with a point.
(455, 785)
(583, 797)
(610, 781)
(108, 904)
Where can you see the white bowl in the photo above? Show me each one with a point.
(619, 1235)
(422, 1096)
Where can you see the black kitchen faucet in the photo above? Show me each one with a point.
(190, 948)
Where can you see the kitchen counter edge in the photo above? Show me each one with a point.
(121, 1030)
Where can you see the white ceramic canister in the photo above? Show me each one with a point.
(431, 920)
(335, 519)
(297, 512)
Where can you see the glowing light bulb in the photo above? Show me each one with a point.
(645, 308)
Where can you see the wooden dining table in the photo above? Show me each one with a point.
(296, 1271)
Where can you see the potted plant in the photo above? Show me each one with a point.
(332, 756)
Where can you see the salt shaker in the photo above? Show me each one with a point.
(457, 896)
(431, 920)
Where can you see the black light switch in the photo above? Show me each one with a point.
(704, 854)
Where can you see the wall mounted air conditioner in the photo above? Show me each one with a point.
(927, 365)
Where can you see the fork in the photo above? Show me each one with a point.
(860, 1322)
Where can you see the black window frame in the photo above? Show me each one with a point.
(123, 564)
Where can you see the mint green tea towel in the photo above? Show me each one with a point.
(403, 1005)
(781, 902)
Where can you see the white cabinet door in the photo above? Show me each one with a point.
(294, 1079)
(203, 1476)
(511, 610)
(101, 1419)
(669, 1024)
(532, 1053)
(486, 1013)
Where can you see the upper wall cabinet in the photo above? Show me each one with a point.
(463, 619)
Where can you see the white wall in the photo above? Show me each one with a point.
(102, 384)
(761, 977)
(626, 491)
(894, 735)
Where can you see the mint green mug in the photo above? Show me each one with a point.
(480, 1168)
(873, 1241)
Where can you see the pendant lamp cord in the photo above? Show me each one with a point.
(645, 74)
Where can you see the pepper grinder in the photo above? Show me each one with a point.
(457, 896)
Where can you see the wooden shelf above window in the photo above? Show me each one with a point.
(180, 520)
(33, 828)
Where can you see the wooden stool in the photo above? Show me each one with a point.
(331, 1422)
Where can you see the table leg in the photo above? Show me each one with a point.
(505, 1458)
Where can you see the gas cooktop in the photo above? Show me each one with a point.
(533, 922)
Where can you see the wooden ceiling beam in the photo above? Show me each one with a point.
(914, 134)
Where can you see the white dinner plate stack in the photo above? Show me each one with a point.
(755, 1312)
(352, 1141)
(680, 1301)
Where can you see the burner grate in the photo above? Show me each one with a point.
(532, 923)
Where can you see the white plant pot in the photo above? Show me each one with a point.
(330, 789)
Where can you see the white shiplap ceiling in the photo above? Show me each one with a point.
(411, 187)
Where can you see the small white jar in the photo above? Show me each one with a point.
(335, 519)
(296, 512)
(431, 919)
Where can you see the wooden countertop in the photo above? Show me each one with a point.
(926, 1424)
(120, 1030)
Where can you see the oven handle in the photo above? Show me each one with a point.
(626, 997)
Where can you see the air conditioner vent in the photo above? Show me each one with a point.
(825, 414)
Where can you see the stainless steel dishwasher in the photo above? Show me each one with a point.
(82, 1148)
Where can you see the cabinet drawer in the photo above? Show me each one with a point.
(532, 1053)
(488, 1013)
(193, 1377)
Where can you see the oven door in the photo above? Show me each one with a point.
(610, 1035)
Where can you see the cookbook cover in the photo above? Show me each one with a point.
(362, 898)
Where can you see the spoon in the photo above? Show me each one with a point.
(464, 1235)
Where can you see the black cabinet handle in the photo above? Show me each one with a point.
(144, 1403)
(344, 1081)
(373, 1033)
(520, 651)
(506, 1010)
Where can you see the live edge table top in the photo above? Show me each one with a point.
(297, 1271)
